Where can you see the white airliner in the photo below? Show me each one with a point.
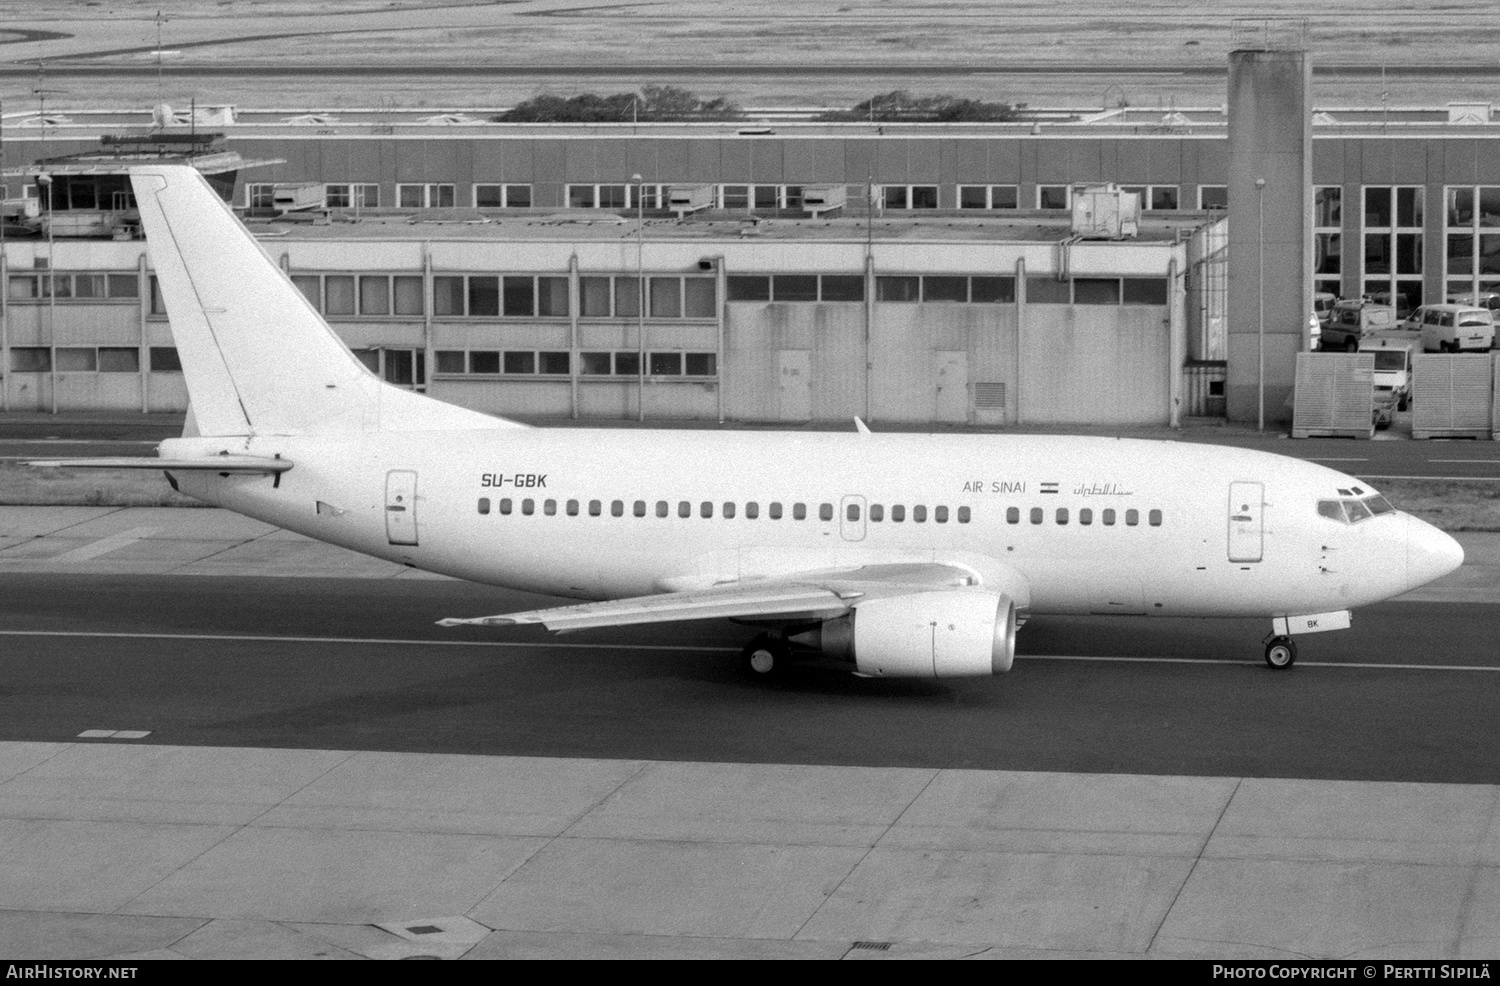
(906, 555)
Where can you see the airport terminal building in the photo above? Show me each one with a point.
(811, 272)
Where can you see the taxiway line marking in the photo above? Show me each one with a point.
(555, 645)
(104, 546)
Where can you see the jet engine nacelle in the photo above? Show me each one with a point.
(947, 634)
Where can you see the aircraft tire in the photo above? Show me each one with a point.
(764, 657)
(1281, 653)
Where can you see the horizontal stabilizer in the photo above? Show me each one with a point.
(255, 464)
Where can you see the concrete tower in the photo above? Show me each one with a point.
(1270, 235)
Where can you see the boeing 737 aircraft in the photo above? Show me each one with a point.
(906, 555)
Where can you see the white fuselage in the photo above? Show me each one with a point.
(1172, 528)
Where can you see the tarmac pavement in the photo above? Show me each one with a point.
(113, 848)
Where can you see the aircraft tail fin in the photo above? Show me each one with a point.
(257, 357)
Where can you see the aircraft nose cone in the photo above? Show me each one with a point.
(1430, 554)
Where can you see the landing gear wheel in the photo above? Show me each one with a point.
(1281, 653)
(765, 656)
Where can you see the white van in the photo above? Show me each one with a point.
(1453, 328)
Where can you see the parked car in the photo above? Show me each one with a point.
(1351, 321)
(1453, 328)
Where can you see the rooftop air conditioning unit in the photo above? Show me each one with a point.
(683, 199)
(1105, 212)
(818, 199)
(298, 197)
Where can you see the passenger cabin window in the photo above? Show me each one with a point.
(1037, 515)
(1109, 517)
(752, 510)
(484, 504)
(728, 511)
(940, 514)
(919, 515)
(774, 510)
(595, 508)
(505, 507)
(1012, 515)
(877, 512)
(617, 508)
(898, 513)
(1062, 515)
(706, 509)
(1132, 518)
(1085, 516)
(661, 508)
(684, 509)
(852, 513)
(1154, 518)
(963, 515)
(799, 511)
(825, 511)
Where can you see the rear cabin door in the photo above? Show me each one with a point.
(1246, 530)
(401, 506)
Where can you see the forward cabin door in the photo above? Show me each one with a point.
(1246, 530)
(401, 506)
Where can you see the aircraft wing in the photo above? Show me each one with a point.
(811, 596)
(209, 463)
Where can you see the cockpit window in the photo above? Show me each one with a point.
(1352, 511)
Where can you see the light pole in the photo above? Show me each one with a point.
(1260, 299)
(45, 181)
(640, 299)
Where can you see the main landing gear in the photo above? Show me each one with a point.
(766, 655)
(1281, 652)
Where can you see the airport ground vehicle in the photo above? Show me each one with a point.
(1351, 321)
(1453, 328)
(1392, 376)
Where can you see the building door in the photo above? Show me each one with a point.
(1246, 533)
(794, 395)
(950, 378)
(852, 518)
(401, 506)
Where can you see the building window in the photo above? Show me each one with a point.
(164, 359)
(259, 195)
(502, 196)
(70, 287)
(30, 359)
(352, 196)
(1328, 250)
(1472, 247)
(1392, 255)
(909, 196)
(426, 196)
(1054, 196)
(1156, 197)
(670, 297)
(765, 198)
(1213, 197)
(988, 197)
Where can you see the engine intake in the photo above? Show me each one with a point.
(952, 633)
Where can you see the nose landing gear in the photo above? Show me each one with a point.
(1281, 652)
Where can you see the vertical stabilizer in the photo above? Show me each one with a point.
(257, 358)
